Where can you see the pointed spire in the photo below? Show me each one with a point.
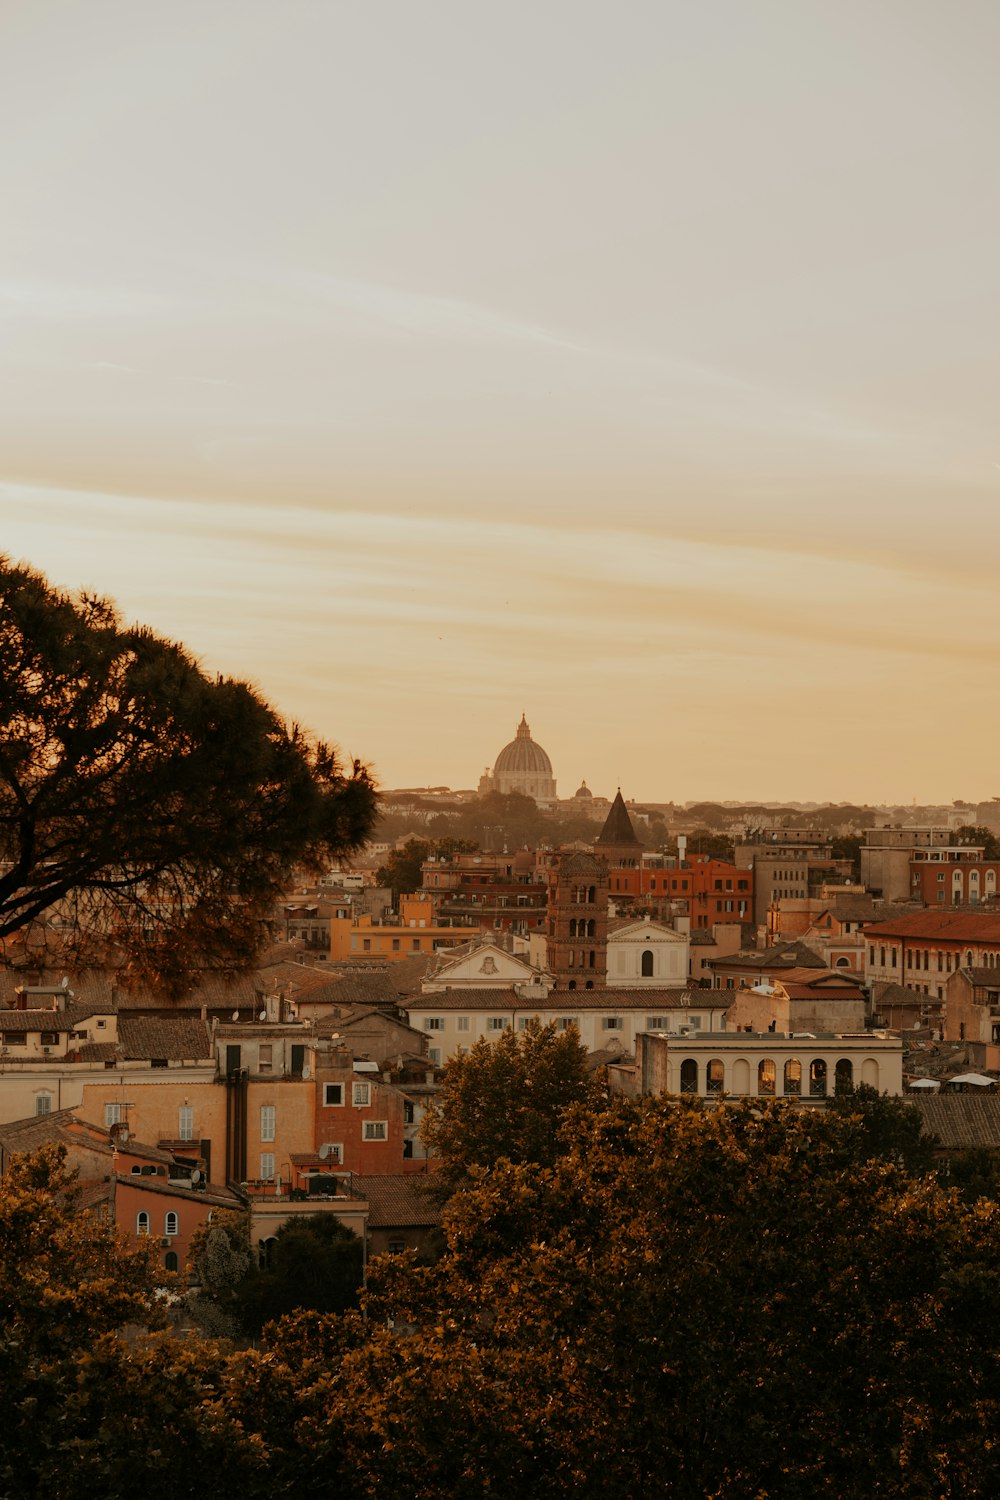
(617, 831)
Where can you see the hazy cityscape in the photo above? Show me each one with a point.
(499, 806)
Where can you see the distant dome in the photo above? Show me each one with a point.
(583, 790)
(522, 766)
(522, 757)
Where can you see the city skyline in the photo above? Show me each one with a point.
(431, 368)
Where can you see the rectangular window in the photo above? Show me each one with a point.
(656, 1023)
(376, 1130)
(267, 1166)
(333, 1093)
(613, 1023)
(185, 1123)
(695, 1021)
(434, 1053)
(564, 1023)
(366, 945)
(495, 1023)
(112, 1114)
(265, 1057)
(43, 1104)
(15, 1038)
(462, 1023)
(434, 1023)
(50, 1038)
(415, 944)
(395, 945)
(893, 964)
(362, 1095)
(267, 1113)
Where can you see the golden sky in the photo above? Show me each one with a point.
(637, 367)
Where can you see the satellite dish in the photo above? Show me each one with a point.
(236, 1015)
(196, 1175)
(262, 1016)
(64, 981)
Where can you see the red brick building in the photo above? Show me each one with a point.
(711, 889)
(577, 946)
(921, 950)
(497, 892)
(953, 877)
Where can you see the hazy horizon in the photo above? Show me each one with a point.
(430, 365)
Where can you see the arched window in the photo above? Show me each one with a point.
(592, 894)
(843, 963)
(592, 959)
(765, 1076)
(170, 1261)
(817, 1078)
(572, 927)
(869, 1072)
(715, 1076)
(589, 985)
(170, 1223)
(968, 959)
(793, 1076)
(591, 928)
(741, 1076)
(689, 1076)
(571, 985)
(142, 1222)
(843, 1078)
(264, 1251)
(647, 963)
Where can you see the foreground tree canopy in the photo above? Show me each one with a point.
(148, 813)
(743, 1303)
(508, 1099)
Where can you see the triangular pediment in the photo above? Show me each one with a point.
(487, 966)
(646, 932)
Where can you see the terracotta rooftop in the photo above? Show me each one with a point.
(983, 978)
(61, 1127)
(821, 979)
(570, 1000)
(399, 1202)
(781, 956)
(947, 926)
(960, 1121)
(178, 1039)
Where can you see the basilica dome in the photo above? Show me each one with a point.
(522, 766)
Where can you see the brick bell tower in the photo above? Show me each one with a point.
(577, 945)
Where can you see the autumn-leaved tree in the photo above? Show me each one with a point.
(314, 1263)
(738, 1303)
(150, 815)
(66, 1279)
(508, 1098)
